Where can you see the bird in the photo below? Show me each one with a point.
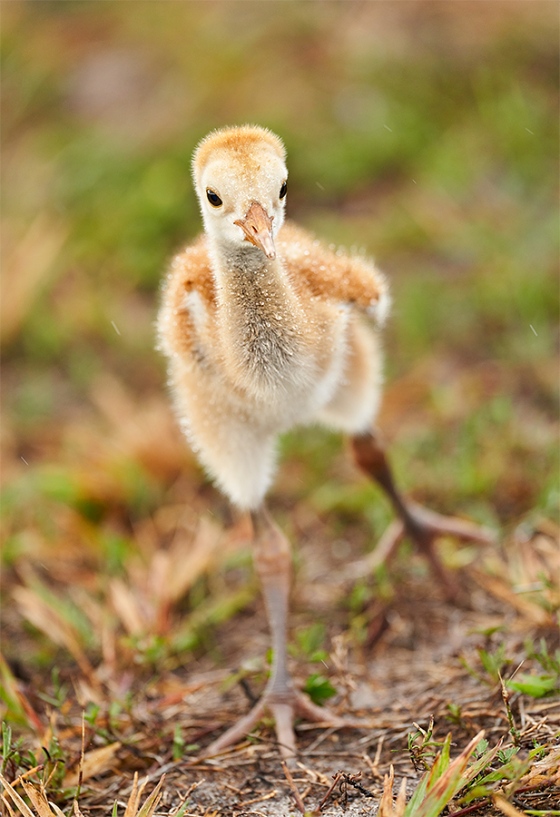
(265, 328)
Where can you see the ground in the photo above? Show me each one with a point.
(399, 656)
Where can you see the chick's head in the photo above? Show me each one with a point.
(240, 178)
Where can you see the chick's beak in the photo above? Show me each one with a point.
(257, 226)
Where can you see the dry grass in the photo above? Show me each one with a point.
(435, 672)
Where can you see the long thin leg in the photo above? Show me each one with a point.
(273, 564)
(422, 525)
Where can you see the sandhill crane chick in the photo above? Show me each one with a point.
(264, 329)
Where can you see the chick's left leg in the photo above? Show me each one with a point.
(423, 526)
(272, 559)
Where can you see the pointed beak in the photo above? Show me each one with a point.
(257, 226)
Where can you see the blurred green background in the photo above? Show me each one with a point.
(424, 132)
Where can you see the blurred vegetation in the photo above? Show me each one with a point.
(425, 133)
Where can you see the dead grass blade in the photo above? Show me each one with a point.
(134, 799)
(501, 590)
(505, 807)
(151, 803)
(149, 435)
(94, 763)
(29, 265)
(38, 797)
(127, 607)
(143, 601)
(50, 621)
(36, 794)
(186, 565)
(43, 808)
(15, 699)
(386, 806)
(22, 806)
(6, 805)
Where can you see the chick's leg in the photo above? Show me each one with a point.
(273, 564)
(423, 526)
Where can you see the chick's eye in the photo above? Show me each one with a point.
(284, 190)
(213, 198)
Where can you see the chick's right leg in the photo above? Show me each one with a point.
(272, 558)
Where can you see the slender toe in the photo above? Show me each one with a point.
(238, 731)
(284, 726)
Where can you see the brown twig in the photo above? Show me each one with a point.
(336, 778)
(292, 785)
